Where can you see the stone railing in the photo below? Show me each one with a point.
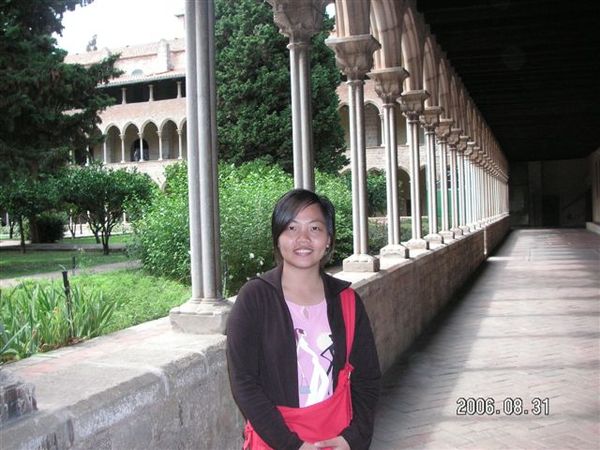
(149, 387)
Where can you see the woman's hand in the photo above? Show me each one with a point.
(307, 446)
(337, 443)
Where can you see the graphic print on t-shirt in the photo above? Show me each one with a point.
(314, 351)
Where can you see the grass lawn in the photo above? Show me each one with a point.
(15, 264)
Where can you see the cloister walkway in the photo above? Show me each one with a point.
(527, 326)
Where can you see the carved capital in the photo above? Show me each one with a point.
(412, 103)
(443, 129)
(354, 54)
(388, 82)
(461, 146)
(469, 149)
(431, 117)
(299, 20)
(454, 136)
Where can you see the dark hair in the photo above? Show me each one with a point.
(288, 207)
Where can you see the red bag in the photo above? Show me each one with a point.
(326, 419)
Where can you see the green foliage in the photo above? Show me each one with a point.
(334, 188)
(377, 192)
(104, 195)
(247, 195)
(37, 317)
(140, 296)
(253, 89)
(51, 226)
(25, 197)
(48, 107)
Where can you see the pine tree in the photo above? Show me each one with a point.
(47, 108)
(253, 89)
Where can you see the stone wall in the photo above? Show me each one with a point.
(149, 387)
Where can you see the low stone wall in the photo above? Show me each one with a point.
(150, 387)
(403, 299)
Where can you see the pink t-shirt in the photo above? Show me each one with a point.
(314, 350)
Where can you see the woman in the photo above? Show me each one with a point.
(286, 335)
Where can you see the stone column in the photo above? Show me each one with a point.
(180, 143)
(87, 155)
(150, 92)
(299, 20)
(354, 56)
(104, 152)
(452, 142)
(122, 136)
(430, 120)
(206, 311)
(461, 147)
(412, 106)
(443, 131)
(160, 146)
(388, 85)
(141, 136)
(178, 89)
(123, 96)
(470, 185)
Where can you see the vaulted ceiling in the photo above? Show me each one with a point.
(532, 68)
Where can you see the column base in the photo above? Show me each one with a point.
(465, 229)
(474, 226)
(17, 398)
(417, 244)
(394, 251)
(457, 232)
(360, 263)
(196, 317)
(447, 235)
(434, 238)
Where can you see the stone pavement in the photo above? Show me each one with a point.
(526, 328)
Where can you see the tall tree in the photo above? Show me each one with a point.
(48, 108)
(253, 89)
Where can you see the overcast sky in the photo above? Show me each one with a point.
(120, 22)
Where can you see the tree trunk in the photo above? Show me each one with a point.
(34, 233)
(105, 237)
(22, 233)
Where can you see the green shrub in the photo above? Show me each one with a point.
(376, 191)
(51, 226)
(37, 317)
(247, 194)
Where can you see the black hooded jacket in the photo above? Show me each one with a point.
(261, 353)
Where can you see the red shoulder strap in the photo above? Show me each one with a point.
(349, 313)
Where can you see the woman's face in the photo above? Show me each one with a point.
(305, 240)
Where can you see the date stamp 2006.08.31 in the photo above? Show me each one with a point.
(508, 406)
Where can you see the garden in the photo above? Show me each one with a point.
(40, 316)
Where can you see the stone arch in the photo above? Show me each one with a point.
(444, 87)
(386, 27)
(130, 131)
(412, 50)
(112, 138)
(454, 106)
(150, 131)
(430, 71)
(372, 125)
(351, 17)
(169, 138)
